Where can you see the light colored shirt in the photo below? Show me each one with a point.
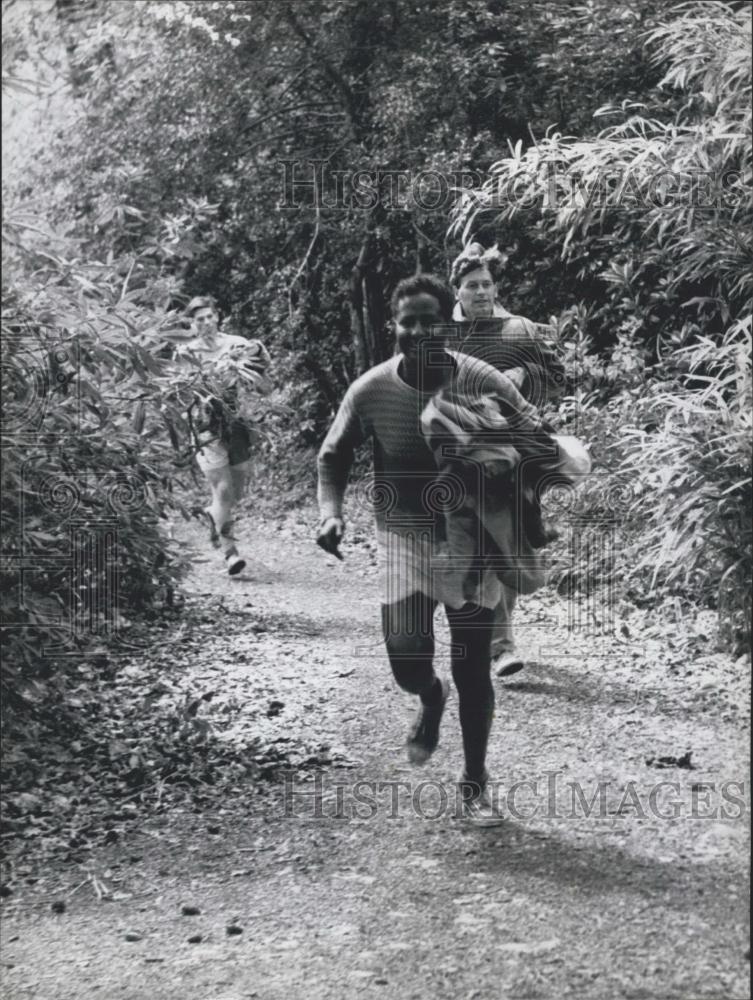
(235, 366)
(225, 349)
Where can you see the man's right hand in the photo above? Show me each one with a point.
(330, 534)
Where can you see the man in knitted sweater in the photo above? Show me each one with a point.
(385, 404)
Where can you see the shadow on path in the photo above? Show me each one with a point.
(554, 682)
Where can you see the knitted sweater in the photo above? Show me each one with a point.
(381, 406)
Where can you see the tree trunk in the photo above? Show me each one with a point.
(375, 317)
(357, 322)
(368, 309)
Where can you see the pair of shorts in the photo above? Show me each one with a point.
(413, 561)
(212, 456)
(218, 455)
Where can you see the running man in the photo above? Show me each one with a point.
(385, 404)
(522, 350)
(223, 435)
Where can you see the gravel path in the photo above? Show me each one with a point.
(357, 879)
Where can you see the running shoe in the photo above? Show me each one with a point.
(423, 738)
(477, 805)
(507, 664)
(235, 563)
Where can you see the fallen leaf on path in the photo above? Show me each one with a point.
(470, 920)
(354, 877)
(671, 761)
(528, 947)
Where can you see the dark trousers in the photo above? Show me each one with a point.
(408, 629)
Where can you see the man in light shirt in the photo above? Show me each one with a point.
(224, 436)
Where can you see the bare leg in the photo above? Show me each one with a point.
(239, 476)
(228, 486)
(223, 495)
(503, 640)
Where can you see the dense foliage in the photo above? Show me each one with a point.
(98, 427)
(658, 213)
(386, 108)
(296, 160)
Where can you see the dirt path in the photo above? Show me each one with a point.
(341, 889)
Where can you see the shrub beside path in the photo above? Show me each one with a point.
(320, 866)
